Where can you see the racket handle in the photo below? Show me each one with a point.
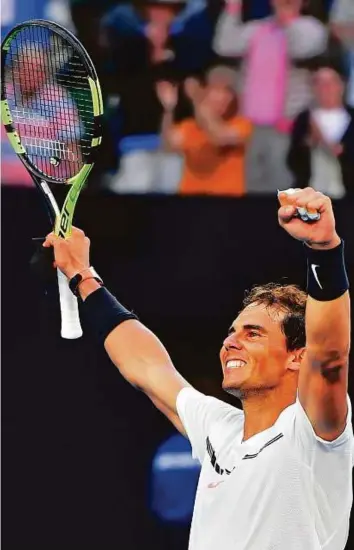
(70, 320)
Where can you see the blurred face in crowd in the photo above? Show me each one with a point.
(220, 97)
(328, 88)
(291, 6)
(160, 14)
(254, 356)
(31, 83)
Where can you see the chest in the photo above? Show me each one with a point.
(248, 476)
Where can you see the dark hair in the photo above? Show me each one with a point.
(337, 68)
(287, 298)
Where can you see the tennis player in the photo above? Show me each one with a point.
(277, 475)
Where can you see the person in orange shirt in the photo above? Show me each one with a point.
(213, 142)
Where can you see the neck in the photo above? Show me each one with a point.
(284, 18)
(263, 409)
(332, 106)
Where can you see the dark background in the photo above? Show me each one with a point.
(77, 440)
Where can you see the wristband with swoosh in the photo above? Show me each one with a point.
(327, 278)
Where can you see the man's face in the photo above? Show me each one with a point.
(160, 15)
(254, 355)
(289, 5)
(329, 88)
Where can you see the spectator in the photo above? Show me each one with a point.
(44, 114)
(277, 84)
(192, 39)
(322, 146)
(137, 40)
(84, 17)
(342, 20)
(213, 142)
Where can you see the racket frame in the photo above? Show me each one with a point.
(61, 220)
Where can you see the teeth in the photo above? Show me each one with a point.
(235, 364)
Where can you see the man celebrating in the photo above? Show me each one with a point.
(276, 475)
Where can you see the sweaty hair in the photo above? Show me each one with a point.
(286, 298)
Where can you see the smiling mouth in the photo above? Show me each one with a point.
(235, 364)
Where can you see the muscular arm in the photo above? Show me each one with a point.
(323, 380)
(323, 373)
(143, 361)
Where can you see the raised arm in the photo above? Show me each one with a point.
(144, 362)
(323, 377)
(232, 36)
(306, 36)
(168, 96)
(134, 349)
(219, 132)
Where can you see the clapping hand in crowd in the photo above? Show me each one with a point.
(167, 94)
(316, 138)
(194, 90)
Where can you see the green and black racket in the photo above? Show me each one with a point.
(51, 106)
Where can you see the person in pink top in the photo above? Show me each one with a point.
(275, 85)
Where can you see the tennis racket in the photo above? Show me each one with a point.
(51, 107)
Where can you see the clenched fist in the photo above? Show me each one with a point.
(319, 234)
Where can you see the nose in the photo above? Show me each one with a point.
(231, 342)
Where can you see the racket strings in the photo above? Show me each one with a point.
(50, 101)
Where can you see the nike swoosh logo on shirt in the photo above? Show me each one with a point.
(314, 267)
(214, 484)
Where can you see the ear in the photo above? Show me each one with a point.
(295, 359)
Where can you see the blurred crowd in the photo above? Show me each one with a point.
(223, 97)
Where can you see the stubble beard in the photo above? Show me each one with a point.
(245, 393)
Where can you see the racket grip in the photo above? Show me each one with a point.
(70, 319)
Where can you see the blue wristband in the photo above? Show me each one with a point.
(104, 313)
(326, 274)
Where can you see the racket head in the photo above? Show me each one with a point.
(51, 102)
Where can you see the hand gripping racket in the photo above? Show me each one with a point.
(51, 107)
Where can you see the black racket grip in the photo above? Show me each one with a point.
(41, 263)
